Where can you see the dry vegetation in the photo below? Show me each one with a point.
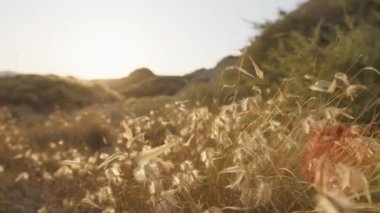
(249, 156)
(299, 135)
(28, 94)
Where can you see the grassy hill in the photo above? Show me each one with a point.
(160, 85)
(144, 83)
(328, 35)
(318, 39)
(204, 74)
(47, 93)
(134, 78)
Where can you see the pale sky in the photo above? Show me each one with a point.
(110, 38)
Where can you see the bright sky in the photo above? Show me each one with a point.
(109, 38)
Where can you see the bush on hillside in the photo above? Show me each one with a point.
(46, 93)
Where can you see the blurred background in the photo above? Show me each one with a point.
(109, 39)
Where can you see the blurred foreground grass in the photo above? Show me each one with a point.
(246, 157)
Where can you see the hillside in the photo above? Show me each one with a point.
(332, 32)
(7, 73)
(144, 83)
(318, 39)
(204, 74)
(28, 94)
(47, 93)
(135, 77)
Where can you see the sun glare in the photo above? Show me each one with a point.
(101, 55)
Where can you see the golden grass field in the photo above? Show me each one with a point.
(249, 156)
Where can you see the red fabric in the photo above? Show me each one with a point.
(323, 143)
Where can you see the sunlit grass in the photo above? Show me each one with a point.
(248, 156)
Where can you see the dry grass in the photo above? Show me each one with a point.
(246, 157)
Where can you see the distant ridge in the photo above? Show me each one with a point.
(208, 74)
(45, 93)
(143, 82)
(7, 73)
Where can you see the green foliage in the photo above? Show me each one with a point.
(318, 40)
(303, 20)
(328, 34)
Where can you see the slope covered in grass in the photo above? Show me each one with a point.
(144, 83)
(314, 42)
(47, 93)
(248, 156)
